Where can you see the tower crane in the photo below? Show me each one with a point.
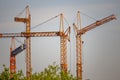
(64, 36)
(79, 33)
(27, 20)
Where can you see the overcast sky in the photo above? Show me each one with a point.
(101, 48)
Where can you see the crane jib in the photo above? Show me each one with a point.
(18, 50)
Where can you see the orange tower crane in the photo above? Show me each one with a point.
(79, 33)
(64, 36)
(27, 20)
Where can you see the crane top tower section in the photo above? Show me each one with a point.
(26, 20)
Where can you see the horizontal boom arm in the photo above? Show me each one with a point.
(97, 23)
(32, 34)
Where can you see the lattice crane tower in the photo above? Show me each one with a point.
(79, 33)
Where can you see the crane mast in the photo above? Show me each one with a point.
(63, 44)
(79, 47)
(79, 33)
(12, 58)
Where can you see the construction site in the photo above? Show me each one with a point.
(64, 34)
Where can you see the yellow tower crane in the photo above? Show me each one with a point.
(79, 33)
(64, 36)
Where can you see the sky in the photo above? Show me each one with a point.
(101, 45)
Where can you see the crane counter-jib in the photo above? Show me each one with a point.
(31, 34)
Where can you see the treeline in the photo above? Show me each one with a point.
(52, 72)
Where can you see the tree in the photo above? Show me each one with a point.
(52, 72)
